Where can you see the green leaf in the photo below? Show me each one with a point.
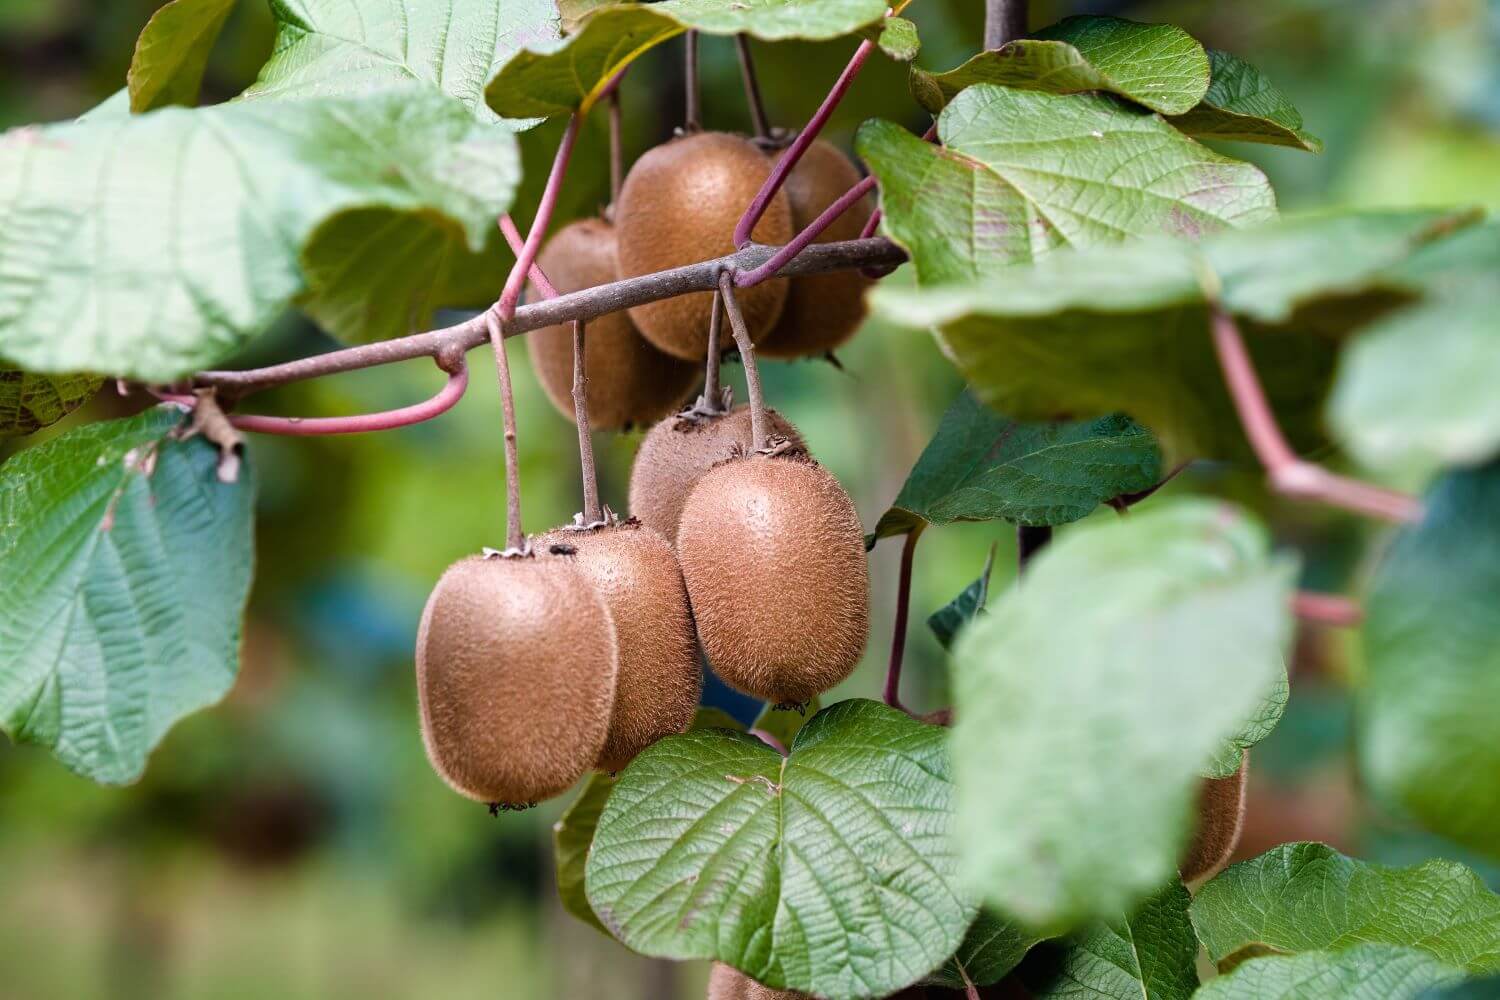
(571, 836)
(1021, 174)
(1366, 972)
(30, 402)
(172, 53)
(1156, 65)
(567, 75)
(1309, 897)
(897, 38)
(154, 245)
(1431, 641)
(981, 466)
(951, 619)
(829, 871)
(785, 723)
(126, 566)
(1243, 105)
(1472, 989)
(1152, 955)
(336, 48)
(1134, 648)
(1257, 726)
(1126, 328)
(714, 718)
(992, 948)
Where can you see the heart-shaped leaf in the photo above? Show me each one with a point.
(829, 871)
(172, 53)
(30, 402)
(1366, 972)
(126, 565)
(1243, 105)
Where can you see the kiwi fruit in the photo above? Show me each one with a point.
(635, 572)
(635, 383)
(1221, 816)
(728, 983)
(774, 559)
(516, 669)
(822, 311)
(680, 449)
(679, 205)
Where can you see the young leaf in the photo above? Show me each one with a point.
(30, 402)
(571, 836)
(1309, 897)
(1365, 972)
(1152, 955)
(785, 723)
(1432, 649)
(126, 565)
(992, 948)
(153, 245)
(981, 466)
(897, 38)
(1022, 173)
(1243, 105)
(829, 871)
(1090, 698)
(950, 619)
(1156, 65)
(172, 53)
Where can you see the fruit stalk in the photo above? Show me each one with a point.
(616, 157)
(692, 117)
(515, 538)
(1004, 21)
(517, 279)
(758, 425)
(711, 401)
(752, 88)
(898, 632)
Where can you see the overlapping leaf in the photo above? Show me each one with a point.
(30, 402)
(1257, 726)
(1243, 105)
(172, 53)
(830, 871)
(992, 948)
(949, 620)
(783, 724)
(1366, 972)
(126, 566)
(152, 245)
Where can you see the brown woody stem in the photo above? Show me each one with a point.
(692, 118)
(515, 538)
(711, 359)
(592, 512)
(759, 431)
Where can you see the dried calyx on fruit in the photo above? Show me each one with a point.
(516, 669)
(728, 983)
(678, 206)
(774, 559)
(1221, 817)
(822, 311)
(636, 574)
(640, 384)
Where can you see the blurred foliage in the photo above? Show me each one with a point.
(293, 841)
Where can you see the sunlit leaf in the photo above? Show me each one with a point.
(172, 52)
(1243, 105)
(1366, 972)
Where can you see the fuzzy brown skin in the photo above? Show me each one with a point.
(631, 382)
(728, 983)
(679, 205)
(1221, 816)
(678, 451)
(822, 311)
(635, 572)
(516, 672)
(774, 559)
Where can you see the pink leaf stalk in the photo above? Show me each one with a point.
(513, 284)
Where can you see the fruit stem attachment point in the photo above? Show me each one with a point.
(692, 118)
(898, 632)
(752, 88)
(1290, 475)
(592, 514)
(527, 255)
(515, 538)
(711, 400)
(1004, 21)
(1029, 541)
(800, 242)
(759, 429)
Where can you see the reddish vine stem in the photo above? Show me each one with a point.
(752, 87)
(898, 631)
(1327, 609)
(800, 242)
(692, 117)
(512, 293)
(1289, 474)
(1004, 22)
(758, 427)
(515, 538)
(616, 157)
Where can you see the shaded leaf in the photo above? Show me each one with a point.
(172, 53)
(1366, 972)
(785, 723)
(30, 402)
(1472, 989)
(126, 565)
(1431, 641)
(992, 948)
(1257, 726)
(1133, 650)
(829, 871)
(1242, 104)
(571, 836)
(949, 620)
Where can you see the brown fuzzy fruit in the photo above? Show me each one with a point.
(633, 382)
(516, 671)
(822, 311)
(679, 205)
(1221, 816)
(636, 573)
(774, 559)
(728, 983)
(679, 450)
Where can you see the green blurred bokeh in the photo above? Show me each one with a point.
(292, 842)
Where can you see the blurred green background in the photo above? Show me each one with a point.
(292, 842)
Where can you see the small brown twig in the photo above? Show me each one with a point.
(759, 428)
(592, 513)
(752, 88)
(712, 401)
(692, 117)
(616, 156)
(898, 631)
(215, 426)
(515, 538)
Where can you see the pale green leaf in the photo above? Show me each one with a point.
(172, 53)
(898, 39)
(1242, 104)
(30, 402)
(1090, 696)
(571, 836)
(126, 565)
(829, 871)
(949, 620)
(1366, 972)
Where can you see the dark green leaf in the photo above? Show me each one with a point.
(30, 402)
(172, 53)
(571, 836)
(1090, 697)
(1309, 897)
(783, 724)
(1365, 972)
(829, 871)
(949, 620)
(1472, 989)
(992, 948)
(1431, 639)
(1243, 105)
(126, 566)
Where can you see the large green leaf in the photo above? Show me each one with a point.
(829, 871)
(981, 466)
(153, 245)
(1366, 972)
(1126, 328)
(1091, 696)
(30, 402)
(1309, 897)
(1432, 649)
(172, 53)
(126, 566)
(1157, 65)
(992, 948)
(1242, 104)
(1020, 174)
(565, 76)
(1151, 955)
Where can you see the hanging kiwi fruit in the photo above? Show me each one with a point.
(1221, 817)
(728, 983)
